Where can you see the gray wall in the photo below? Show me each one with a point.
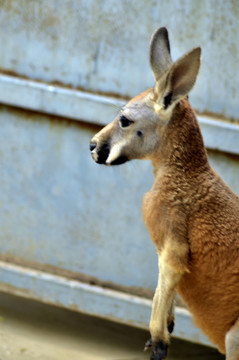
(65, 68)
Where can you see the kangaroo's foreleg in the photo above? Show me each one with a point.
(162, 317)
(232, 343)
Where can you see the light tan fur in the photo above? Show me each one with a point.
(191, 214)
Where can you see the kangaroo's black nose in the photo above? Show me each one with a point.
(92, 146)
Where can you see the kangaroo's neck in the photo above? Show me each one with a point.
(182, 149)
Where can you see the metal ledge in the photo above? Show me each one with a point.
(56, 100)
(98, 109)
(220, 135)
(91, 300)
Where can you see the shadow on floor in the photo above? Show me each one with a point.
(33, 331)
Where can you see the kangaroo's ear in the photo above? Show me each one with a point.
(160, 59)
(180, 78)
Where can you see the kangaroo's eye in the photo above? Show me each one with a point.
(124, 122)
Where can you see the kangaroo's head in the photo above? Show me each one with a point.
(137, 130)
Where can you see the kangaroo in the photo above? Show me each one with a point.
(191, 214)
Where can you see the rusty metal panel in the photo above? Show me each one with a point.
(103, 46)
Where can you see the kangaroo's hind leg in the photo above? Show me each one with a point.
(232, 342)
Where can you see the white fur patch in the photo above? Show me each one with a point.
(115, 152)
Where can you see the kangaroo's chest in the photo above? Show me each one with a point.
(152, 210)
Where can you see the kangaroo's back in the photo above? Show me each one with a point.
(211, 286)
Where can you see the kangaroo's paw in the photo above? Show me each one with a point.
(159, 351)
(148, 343)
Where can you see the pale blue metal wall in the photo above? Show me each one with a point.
(71, 232)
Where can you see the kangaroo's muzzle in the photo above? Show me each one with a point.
(99, 153)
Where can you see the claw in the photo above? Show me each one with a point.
(171, 327)
(148, 345)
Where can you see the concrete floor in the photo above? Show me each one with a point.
(33, 331)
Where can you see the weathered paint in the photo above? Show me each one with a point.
(103, 46)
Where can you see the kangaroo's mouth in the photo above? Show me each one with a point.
(120, 160)
(103, 155)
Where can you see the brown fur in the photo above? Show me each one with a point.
(190, 200)
(191, 214)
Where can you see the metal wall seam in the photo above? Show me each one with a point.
(98, 109)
